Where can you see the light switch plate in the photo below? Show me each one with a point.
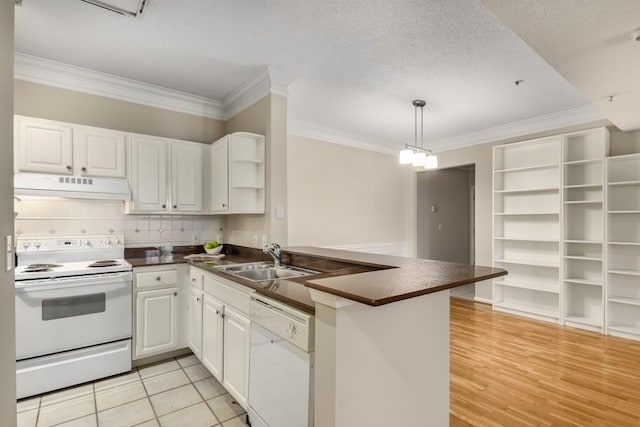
(9, 252)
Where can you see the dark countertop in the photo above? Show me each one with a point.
(366, 278)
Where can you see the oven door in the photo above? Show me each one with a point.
(71, 312)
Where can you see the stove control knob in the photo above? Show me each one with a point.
(116, 242)
(37, 245)
(26, 245)
(108, 242)
(86, 243)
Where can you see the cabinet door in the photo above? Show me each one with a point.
(43, 146)
(148, 174)
(156, 321)
(212, 336)
(99, 152)
(195, 321)
(237, 341)
(186, 177)
(220, 175)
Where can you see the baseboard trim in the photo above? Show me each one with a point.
(483, 300)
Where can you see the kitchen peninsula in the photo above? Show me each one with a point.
(381, 330)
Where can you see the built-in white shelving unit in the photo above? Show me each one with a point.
(623, 246)
(527, 207)
(583, 225)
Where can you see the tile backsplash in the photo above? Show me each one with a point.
(67, 217)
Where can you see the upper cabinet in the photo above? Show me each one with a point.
(238, 174)
(165, 175)
(47, 146)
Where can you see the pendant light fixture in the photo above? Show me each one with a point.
(415, 154)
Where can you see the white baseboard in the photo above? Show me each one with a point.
(484, 300)
(385, 248)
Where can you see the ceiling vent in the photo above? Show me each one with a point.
(123, 7)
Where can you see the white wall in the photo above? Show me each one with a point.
(340, 195)
(50, 217)
(7, 322)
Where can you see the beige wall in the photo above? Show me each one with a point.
(7, 322)
(266, 117)
(342, 195)
(52, 103)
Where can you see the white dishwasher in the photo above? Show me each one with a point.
(281, 368)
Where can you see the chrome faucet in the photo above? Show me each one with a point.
(273, 249)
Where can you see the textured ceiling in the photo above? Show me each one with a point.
(358, 63)
(589, 43)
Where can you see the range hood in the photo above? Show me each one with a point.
(37, 184)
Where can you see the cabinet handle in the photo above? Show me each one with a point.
(83, 169)
(198, 299)
(175, 206)
(224, 205)
(193, 280)
(69, 167)
(158, 278)
(175, 294)
(164, 206)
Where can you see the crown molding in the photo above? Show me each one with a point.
(546, 122)
(337, 136)
(266, 81)
(51, 73)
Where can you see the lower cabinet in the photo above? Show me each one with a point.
(212, 336)
(158, 310)
(156, 321)
(237, 340)
(195, 321)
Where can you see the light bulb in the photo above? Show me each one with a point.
(431, 162)
(419, 159)
(406, 157)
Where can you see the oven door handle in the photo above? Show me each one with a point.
(72, 282)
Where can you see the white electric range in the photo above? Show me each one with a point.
(73, 311)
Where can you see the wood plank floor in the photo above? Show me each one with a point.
(512, 371)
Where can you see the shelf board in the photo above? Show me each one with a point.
(583, 162)
(634, 330)
(583, 186)
(624, 183)
(527, 285)
(624, 272)
(256, 161)
(624, 212)
(532, 263)
(525, 213)
(589, 242)
(526, 309)
(582, 320)
(249, 187)
(528, 190)
(624, 300)
(580, 281)
(583, 258)
(583, 202)
(528, 168)
(527, 239)
(625, 243)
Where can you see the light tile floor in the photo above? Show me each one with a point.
(177, 392)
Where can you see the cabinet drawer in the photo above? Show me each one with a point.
(236, 296)
(196, 277)
(156, 278)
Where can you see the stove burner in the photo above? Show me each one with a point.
(105, 263)
(39, 266)
(36, 270)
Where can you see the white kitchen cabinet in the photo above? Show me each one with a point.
(158, 309)
(237, 342)
(165, 175)
(212, 336)
(195, 321)
(48, 146)
(186, 177)
(238, 174)
(156, 321)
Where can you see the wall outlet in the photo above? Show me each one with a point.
(195, 238)
(255, 241)
(265, 241)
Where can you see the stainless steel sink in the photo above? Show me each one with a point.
(260, 271)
